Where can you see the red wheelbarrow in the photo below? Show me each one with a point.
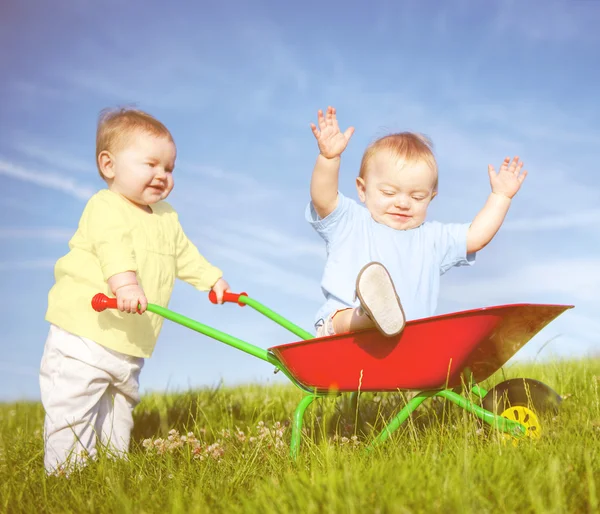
(445, 356)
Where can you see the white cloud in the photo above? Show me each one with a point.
(215, 173)
(201, 78)
(266, 240)
(276, 277)
(131, 89)
(56, 158)
(568, 280)
(533, 119)
(47, 233)
(585, 327)
(47, 180)
(27, 265)
(585, 218)
(223, 192)
(29, 93)
(250, 262)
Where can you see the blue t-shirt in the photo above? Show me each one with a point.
(415, 258)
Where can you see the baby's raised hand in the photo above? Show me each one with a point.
(509, 178)
(332, 142)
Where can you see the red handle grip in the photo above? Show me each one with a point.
(227, 297)
(101, 302)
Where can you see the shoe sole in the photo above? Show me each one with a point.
(377, 294)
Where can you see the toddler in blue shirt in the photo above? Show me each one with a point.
(387, 251)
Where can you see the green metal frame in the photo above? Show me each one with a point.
(513, 428)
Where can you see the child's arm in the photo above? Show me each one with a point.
(106, 229)
(332, 142)
(128, 292)
(488, 221)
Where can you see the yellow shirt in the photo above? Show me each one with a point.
(115, 236)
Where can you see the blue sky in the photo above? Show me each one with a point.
(238, 85)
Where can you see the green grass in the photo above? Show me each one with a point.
(440, 461)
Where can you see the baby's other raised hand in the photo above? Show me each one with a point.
(332, 142)
(129, 297)
(221, 286)
(509, 178)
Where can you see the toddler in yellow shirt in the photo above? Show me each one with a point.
(129, 244)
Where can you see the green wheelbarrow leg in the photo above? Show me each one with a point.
(297, 424)
(478, 391)
(504, 425)
(400, 418)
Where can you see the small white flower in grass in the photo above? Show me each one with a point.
(215, 450)
(160, 445)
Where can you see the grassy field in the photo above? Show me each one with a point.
(226, 450)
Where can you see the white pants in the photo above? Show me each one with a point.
(88, 393)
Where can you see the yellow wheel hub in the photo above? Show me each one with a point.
(527, 418)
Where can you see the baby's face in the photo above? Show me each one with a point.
(143, 169)
(397, 194)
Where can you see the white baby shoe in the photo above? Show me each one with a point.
(377, 294)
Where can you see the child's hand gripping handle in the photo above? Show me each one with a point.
(101, 302)
(227, 297)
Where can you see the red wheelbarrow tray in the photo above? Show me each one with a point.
(432, 355)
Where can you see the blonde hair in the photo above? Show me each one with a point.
(116, 126)
(409, 146)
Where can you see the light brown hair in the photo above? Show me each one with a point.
(409, 146)
(116, 126)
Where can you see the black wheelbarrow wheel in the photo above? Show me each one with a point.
(524, 400)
